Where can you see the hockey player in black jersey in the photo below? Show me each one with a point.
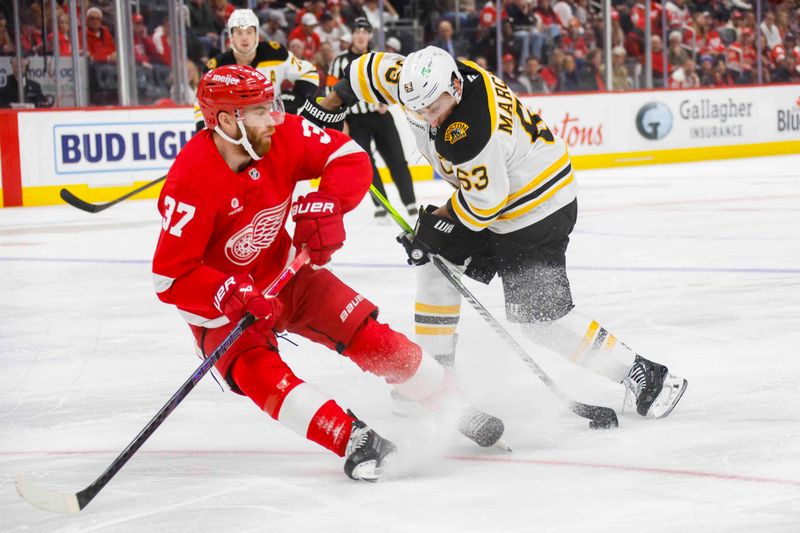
(511, 214)
(270, 58)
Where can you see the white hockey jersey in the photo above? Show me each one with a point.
(510, 171)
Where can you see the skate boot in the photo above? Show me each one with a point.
(412, 209)
(651, 387)
(367, 453)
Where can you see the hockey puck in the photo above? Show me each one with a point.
(603, 424)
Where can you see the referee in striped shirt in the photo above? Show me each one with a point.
(367, 122)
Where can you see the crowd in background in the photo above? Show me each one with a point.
(546, 45)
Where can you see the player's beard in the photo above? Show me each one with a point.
(260, 142)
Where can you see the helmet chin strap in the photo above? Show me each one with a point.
(244, 141)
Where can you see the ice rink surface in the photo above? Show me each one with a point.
(696, 266)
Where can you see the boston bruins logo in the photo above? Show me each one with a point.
(455, 132)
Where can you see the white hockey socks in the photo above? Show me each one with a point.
(583, 341)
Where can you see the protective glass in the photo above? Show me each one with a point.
(268, 113)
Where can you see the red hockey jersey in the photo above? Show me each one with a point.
(216, 222)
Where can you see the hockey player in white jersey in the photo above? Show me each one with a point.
(511, 214)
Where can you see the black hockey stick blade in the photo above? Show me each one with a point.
(83, 205)
(75, 502)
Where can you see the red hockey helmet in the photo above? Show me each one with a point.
(231, 88)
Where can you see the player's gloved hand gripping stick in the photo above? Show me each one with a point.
(75, 502)
(600, 417)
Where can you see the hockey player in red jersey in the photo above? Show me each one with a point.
(223, 240)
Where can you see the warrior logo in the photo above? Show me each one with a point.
(254, 174)
(455, 132)
(408, 87)
(246, 244)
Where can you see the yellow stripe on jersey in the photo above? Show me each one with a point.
(466, 217)
(377, 79)
(435, 330)
(270, 63)
(546, 173)
(586, 341)
(313, 76)
(363, 85)
(437, 309)
(539, 201)
(489, 92)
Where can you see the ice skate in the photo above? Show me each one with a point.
(412, 209)
(367, 453)
(651, 387)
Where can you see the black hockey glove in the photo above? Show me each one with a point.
(323, 118)
(429, 236)
(290, 102)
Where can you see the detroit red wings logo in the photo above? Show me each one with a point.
(245, 245)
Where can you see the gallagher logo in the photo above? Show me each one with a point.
(654, 121)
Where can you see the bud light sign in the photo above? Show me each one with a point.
(115, 147)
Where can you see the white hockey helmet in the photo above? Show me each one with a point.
(425, 75)
(242, 18)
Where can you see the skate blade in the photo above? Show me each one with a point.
(668, 403)
(503, 445)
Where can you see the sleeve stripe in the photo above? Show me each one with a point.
(487, 213)
(350, 147)
(162, 283)
(372, 66)
(538, 202)
(376, 77)
(362, 80)
(464, 216)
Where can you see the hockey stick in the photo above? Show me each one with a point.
(83, 205)
(601, 417)
(72, 503)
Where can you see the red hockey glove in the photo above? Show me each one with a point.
(238, 294)
(318, 225)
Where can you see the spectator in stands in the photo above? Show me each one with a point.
(467, 13)
(99, 41)
(373, 13)
(570, 79)
(31, 36)
(393, 45)
(222, 10)
(444, 39)
(305, 33)
(770, 31)
(31, 89)
(572, 41)
(273, 29)
(722, 76)
(315, 7)
(685, 77)
(620, 78)
(159, 50)
(510, 76)
(351, 10)
(659, 68)
(6, 43)
(593, 72)
(786, 70)
(141, 41)
(742, 57)
(323, 61)
(329, 32)
(297, 47)
(64, 44)
(205, 26)
(549, 20)
(706, 74)
(532, 78)
(676, 54)
(678, 14)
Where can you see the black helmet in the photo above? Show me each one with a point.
(362, 22)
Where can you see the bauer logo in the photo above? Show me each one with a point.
(654, 121)
(115, 147)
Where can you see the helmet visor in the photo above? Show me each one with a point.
(269, 113)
